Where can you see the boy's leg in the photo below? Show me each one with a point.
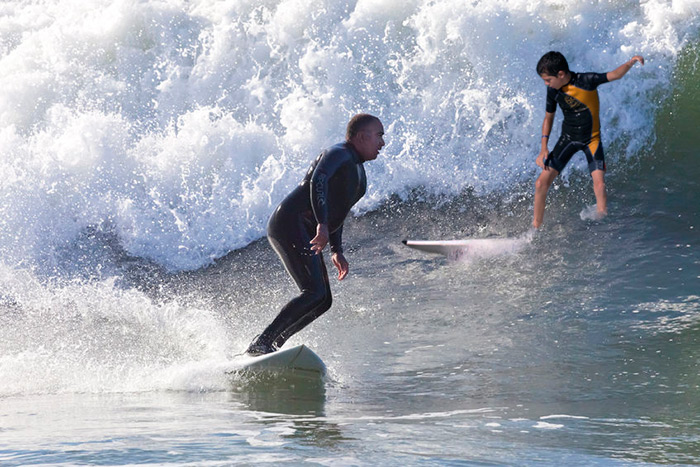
(555, 163)
(601, 197)
(544, 181)
(596, 166)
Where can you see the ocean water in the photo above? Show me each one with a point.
(143, 145)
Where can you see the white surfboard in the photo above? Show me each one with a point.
(299, 360)
(472, 248)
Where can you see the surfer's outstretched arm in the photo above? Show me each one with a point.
(622, 70)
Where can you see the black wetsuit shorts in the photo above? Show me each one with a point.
(567, 146)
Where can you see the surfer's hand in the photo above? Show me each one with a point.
(319, 242)
(540, 160)
(341, 264)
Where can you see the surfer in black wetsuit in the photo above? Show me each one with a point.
(577, 95)
(312, 216)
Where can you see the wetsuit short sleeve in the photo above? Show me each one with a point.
(551, 100)
(591, 81)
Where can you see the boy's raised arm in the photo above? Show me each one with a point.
(620, 71)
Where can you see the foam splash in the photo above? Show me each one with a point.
(97, 337)
(492, 247)
(590, 213)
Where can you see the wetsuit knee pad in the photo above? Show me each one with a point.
(325, 304)
(596, 160)
(319, 298)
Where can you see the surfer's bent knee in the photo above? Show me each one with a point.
(319, 299)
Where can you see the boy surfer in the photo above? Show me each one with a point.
(577, 95)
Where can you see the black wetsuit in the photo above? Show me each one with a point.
(580, 130)
(334, 183)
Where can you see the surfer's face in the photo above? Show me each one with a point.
(369, 141)
(557, 81)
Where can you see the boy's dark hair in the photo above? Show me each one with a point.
(358, 123)
(552, 63)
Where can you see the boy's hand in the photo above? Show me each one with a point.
(637, 58)
(622, 70)
(541, 158)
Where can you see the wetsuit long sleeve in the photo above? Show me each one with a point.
(336, 240)
(337, 181)
(319, 192)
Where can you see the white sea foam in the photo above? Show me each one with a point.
(590, 213)
(558, 416)
(547, 426)
(178, 126)
(492, 247)
(97, 337)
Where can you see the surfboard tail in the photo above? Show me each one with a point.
(298, 359)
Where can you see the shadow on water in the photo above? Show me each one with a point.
(293, 400)
(279, 393)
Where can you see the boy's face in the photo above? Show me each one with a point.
(557, 81)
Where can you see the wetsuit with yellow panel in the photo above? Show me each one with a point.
(580, 130)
